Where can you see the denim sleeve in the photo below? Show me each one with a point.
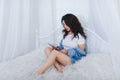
(60, 45)
(76, 52)
(71, 52)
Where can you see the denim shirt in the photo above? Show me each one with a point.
(74, 53)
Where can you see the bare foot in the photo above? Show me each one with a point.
(58, 67)
(39, 72)
(60, 70)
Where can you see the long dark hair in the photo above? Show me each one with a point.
(73, 23)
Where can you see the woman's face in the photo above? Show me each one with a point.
(66, 27)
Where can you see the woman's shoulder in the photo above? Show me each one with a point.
(81, 39)
(80, 36)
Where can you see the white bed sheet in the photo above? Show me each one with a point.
(93, 67)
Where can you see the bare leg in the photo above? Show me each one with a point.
(48, 51)
(55, 55)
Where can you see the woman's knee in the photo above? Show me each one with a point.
(54, 52)
(46, 49)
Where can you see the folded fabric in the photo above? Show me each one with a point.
(74, 53)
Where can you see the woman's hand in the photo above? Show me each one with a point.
(64, 51)
(81, 46)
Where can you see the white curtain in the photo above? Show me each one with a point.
(18, 21)
(105, 21)
(21, 23)
(117, 3)
(44, 33)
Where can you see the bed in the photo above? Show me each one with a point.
(92, 67)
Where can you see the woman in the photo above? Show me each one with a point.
(72, 46)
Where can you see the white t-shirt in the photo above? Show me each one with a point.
(68, 42)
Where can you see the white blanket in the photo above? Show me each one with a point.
(92, 67)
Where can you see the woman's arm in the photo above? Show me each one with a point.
(81, 46)
(64, 51)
